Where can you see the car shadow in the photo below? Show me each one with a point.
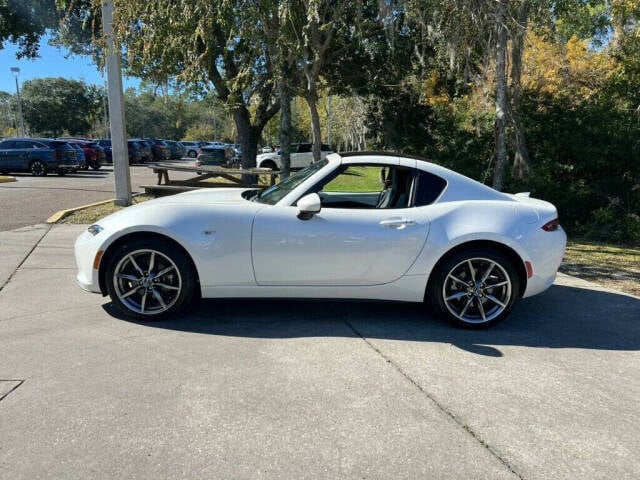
(562, 317)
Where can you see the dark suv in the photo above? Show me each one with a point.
(159, 149)
(133, 150)
(37, 155)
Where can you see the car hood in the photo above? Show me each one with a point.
(203, 196)
(184, 207)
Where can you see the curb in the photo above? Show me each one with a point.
(4, 179)
(60, 214)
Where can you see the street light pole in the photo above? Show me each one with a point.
(16, 72)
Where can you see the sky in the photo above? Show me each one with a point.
(51, 63)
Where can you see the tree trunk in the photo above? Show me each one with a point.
(312, 101)
(248, 142)
(285, 126)
(521, 160)
(502, 104)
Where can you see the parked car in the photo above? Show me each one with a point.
(133, 150)
(94, 154)
(406, 230)
(37, 155)
(82, 161)
(176, 149)
(214, 155)
(159, 149)
(301, 156)
(146, 153)
(105, 144)
(192, 147)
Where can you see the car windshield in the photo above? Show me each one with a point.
(274, 194)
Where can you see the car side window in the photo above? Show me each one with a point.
(428, 189)
(304, 148)
(367, 187)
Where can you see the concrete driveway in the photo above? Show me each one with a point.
(308, 389)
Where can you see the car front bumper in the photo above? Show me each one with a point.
(86, 248)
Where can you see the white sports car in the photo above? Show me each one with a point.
(357, 225)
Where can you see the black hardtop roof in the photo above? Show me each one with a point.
(382, 154)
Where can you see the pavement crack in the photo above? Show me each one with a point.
(446, 411)
(46, 230)
(20, 382)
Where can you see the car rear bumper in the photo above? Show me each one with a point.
(546, 251)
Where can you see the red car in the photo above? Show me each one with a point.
(94, 153)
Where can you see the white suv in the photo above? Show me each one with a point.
(301, 156)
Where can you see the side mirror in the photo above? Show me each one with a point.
(308, 206)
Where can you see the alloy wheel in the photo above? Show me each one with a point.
(147, 282)
(477, 290)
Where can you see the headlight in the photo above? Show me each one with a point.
(95, 229)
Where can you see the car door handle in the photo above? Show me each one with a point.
(397, 223)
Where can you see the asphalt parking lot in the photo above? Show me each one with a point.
(31, 200)
(296, 389)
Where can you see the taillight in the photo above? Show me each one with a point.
(59, 154)
(551, 226)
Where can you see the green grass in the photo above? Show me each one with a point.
(356, 179)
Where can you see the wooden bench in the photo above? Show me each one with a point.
(165, 190)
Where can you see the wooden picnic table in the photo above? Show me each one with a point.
(235, 175)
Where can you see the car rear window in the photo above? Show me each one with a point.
(429, 188)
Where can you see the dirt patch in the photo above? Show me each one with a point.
(612, 266)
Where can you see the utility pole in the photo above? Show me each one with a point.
(16, 72)
(116, 110)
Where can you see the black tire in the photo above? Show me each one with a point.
(192, 154)
(38, 168)
(269, 164)
(134, 290)
(4, 172)
(62, 172)
(474, 288)
(96, 166)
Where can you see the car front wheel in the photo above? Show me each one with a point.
(149, 279)
(476, 288)
(38, 168)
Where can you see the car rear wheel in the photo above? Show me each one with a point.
(269, 164)
(38, 168)
(62, 172)
(192, 154)
(476, 288)
(96, 166)
(149, 279)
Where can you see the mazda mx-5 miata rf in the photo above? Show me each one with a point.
(356, 225)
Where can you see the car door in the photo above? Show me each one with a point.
(302, 156)
(5, 151)
(20, 155)
(336, 246)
